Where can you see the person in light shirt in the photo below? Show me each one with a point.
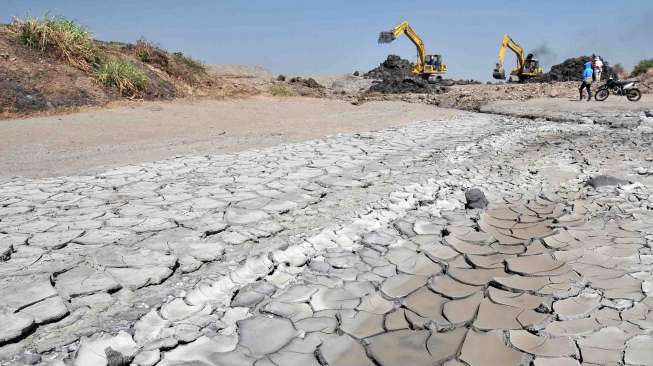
(598, 68)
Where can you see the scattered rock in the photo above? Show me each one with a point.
(106, 350)
(605, 181)
(115, 358)
(475, 198)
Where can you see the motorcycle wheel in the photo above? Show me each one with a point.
(633, 95)
(601, 94)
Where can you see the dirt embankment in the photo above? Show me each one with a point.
(647, 81)
(36, 81)
(33, 82)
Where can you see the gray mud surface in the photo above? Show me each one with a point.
(355, 249)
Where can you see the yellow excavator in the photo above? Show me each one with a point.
(527, 67)
(429, 67)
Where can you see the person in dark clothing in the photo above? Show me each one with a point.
(587, 81)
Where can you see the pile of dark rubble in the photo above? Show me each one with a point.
(408, 85)
(307, 87)
(309, 83)
(394, 67)
(465, 82)
(395, 77)
(572, 70)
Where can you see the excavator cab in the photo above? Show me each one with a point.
(531, 65)
(434, 60)
(433, 68)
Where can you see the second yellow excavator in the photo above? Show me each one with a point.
(429, 67)
(527, 67)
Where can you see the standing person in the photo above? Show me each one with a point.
(587, 81)
(598, 68)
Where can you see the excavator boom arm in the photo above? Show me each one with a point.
(405, 28)
(508, 43)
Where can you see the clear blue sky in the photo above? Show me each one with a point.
(335, 36)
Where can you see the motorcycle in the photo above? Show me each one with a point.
(618, 87)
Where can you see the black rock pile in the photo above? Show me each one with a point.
(307, 87)
(409, 85)
(572, 70)
(394, 67)
(396, 78)
(309, 83)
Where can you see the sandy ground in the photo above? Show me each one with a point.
(94, 140)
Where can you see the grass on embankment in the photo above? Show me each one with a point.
(175, 64)
(127, 68)
(58, 37)
(281, 89)
(123, 75)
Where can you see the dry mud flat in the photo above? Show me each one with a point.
(350, 250)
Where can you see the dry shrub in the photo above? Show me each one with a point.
(142, 53)
(150, 54)
(195, 65)
(58, 36)
(174, 64)
(281, 89)
(186, 68)
(129, 80)
(642, 67)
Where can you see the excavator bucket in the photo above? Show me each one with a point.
(499, 73)
(386, 37)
